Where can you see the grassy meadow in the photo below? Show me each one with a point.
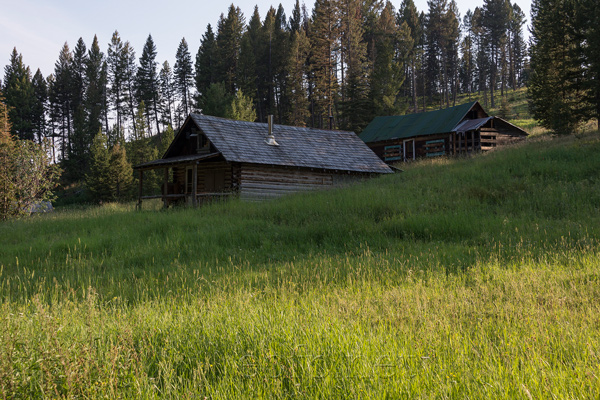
(475, 277)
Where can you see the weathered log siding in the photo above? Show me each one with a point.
(213, 177)
(260, 182)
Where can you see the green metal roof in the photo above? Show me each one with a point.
(405, 126)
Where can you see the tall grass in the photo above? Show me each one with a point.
(473, 277)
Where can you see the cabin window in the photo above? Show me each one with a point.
(434, 148)
(393, 153)
(203, 145)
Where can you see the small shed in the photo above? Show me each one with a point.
(462, 129)
(213, 157)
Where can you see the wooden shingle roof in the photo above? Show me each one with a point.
(241, 141)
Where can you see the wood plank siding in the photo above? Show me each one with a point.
(264, 181)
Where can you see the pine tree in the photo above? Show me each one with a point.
(252, 73)
(467, 63)
(392, 46)
(355, 105)
(205, 63)
(297, 95)
(229, 38)
(295, 22)
(147, 83)
(120, 172)
(130, 74)
(38, 110)
(278, 53)
(183, 72)
(216, 101)
(241, 108)
(95, 79)
(142, 149)
(556, 93)
(79, 61)
(408, 14)
(588, 30)
(167, 96)
(62, 98)
(482, 59)
(495, 22)
(78, 155)
(116, 76)
(166, 140)
(324, 39)
(98, 180)
(517, 47)
(19, 96)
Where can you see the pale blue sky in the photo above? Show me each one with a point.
(39, 28)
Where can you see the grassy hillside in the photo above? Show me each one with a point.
(472, 277)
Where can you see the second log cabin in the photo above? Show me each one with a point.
(462, 129)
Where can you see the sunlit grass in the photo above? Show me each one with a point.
(474, 277)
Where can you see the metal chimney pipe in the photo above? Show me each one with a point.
(270, 140)
(270, 122)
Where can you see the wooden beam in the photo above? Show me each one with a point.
(140, 191)
(454, 143)
(195, 184)
(165, 187)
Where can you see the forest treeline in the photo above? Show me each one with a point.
(340, 66)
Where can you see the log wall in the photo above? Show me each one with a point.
(259, 182)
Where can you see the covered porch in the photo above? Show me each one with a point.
(187, 180)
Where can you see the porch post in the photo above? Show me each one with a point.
(165, 190)
(195, 185)
(140, 191)
(454, 143)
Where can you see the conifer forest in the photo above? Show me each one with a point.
(336, 66)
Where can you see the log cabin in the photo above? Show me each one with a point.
(462, 129)
(212, 158)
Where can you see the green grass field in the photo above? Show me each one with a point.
(471, 278)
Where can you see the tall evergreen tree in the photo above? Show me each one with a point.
(496, 16)
(98, 179)
(81, 138)
(120, 172)
(19, 96)
(183, 73)
(117, 70)
(61, 97)
(147, 83)
(297, 91)
(355, 106)
(206, 63)
(38, 110)
(516, 46)
(324, 39)
(167, 95)
(588, 33)
(392, 47)
(467, 65)
(95, 80)
(130, 74)
(252, 79)
(229, 38)
(557, 96)
(409, 15)
(482, 58)
(216, 101)
(242, 108)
